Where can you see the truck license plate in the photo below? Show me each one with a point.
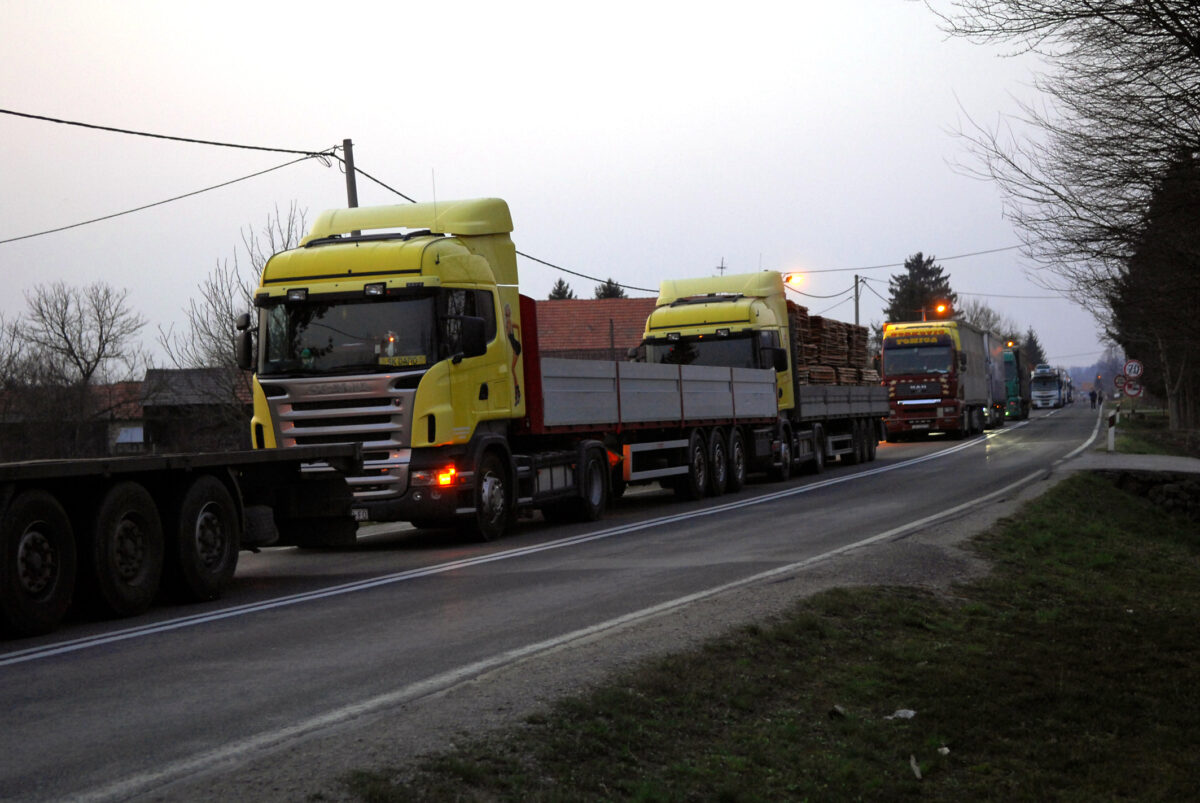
(360, 513)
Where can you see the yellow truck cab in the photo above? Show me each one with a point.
(397, 327)
(746, 320)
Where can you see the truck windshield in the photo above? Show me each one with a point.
(734, 352)
(1045, 383)
(348, 336)
(917, 360)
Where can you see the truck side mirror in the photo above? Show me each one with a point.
(245, 350)
(776, 357)
(243, 322)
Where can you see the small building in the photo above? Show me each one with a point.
(592, 328)
(196, 409)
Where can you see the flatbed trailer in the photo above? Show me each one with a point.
(108, 535)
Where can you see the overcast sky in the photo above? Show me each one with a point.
(640, 141)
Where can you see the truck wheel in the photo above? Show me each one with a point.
(737, 461)
(817, 466)
(202, 554)
(37, 565)
(125, 556)
(593, 497)
(872, 435)
(693, 484)
(783, 471)
(491, 499)
(718, 462)
(857, 444)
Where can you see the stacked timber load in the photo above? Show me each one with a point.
(849, 376)
(828, 352)
(822, 375)
(804, 351)
(856, 342)
(830, 338)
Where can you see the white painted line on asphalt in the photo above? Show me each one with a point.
(140, 784)
(140, 631)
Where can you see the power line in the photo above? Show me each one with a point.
(167, 201)
(583, 275)
(162, 136)
(901, 264)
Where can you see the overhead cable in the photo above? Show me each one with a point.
(160, 203)
(163, 136)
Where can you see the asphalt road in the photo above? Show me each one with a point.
(306, 642)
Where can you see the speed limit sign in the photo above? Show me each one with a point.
(1133, 369)
(1119, 381)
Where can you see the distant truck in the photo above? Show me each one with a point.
(942, 376)
(829, 404)
(400, 328)
(1049, 387)
(1016, 383)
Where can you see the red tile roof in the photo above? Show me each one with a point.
(579, 324)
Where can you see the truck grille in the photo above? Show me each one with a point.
(370, 410)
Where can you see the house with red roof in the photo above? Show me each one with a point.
(591, 328)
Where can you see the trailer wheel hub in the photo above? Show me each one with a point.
(129, 550)
(36, 561)
(209, 535)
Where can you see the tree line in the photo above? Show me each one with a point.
(1101, 175)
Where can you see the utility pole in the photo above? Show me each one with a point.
(351, 185)
(856, 299)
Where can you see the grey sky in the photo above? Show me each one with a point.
(640, 141)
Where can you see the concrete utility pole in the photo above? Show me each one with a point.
(856, 299)
(351, 185)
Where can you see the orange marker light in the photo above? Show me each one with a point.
(446, 476)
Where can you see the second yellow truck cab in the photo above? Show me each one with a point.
(828, 403)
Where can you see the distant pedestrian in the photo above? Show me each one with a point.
(1092, 396)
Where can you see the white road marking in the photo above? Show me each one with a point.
(140, 631)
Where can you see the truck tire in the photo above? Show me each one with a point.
(693, 484)
(37, 565)
(491, 499)
(817, 465)
(125, 551)
(857, 445)
(783, 471)
(718, 462)
(202, 552)
(872, 434)
(737, 461)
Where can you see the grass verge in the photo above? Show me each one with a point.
(1068, 673)
(1145, 432)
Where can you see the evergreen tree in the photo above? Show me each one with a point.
(561, 291)
(610, 289)
(917, 291)
(1033, 349)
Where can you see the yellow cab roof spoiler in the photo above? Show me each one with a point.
(479, 216)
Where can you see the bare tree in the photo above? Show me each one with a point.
(85, 334)
(226, 293)
(207, 343)
(979, 314)
(1082, 169)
